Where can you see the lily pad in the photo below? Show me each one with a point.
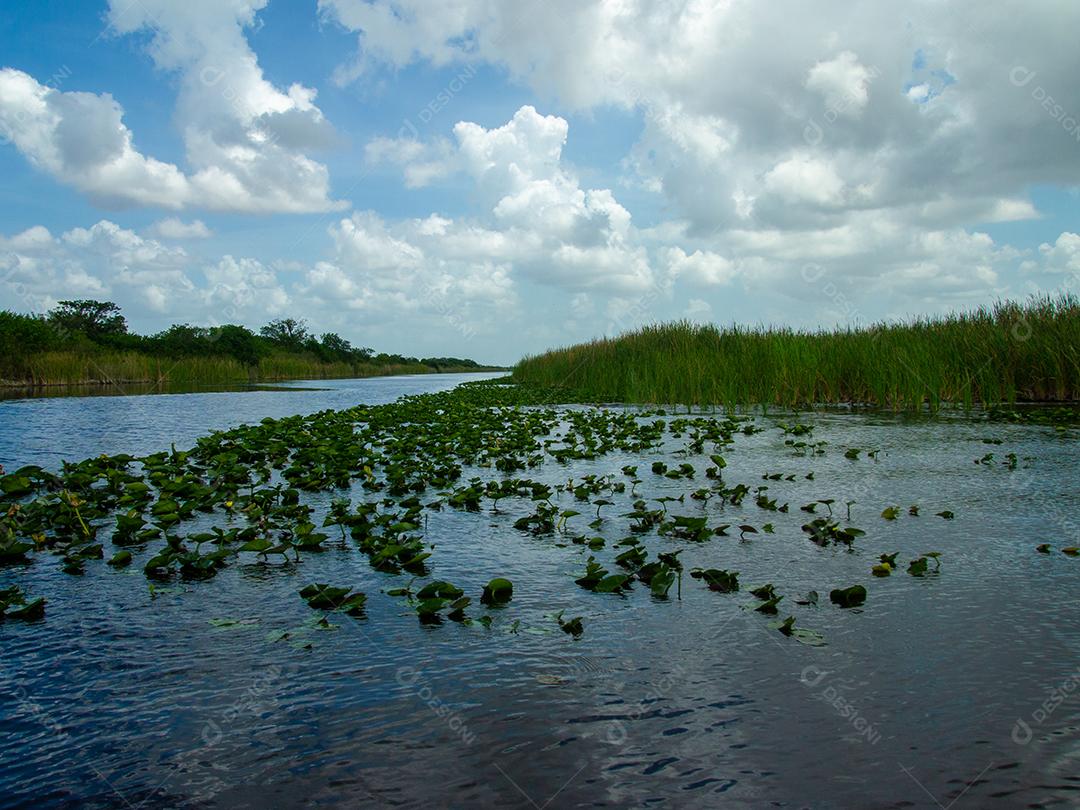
(717, 579)
(848, 597)
(497, 592)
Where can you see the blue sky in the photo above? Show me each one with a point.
(489, 179)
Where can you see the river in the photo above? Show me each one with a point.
(932, 694)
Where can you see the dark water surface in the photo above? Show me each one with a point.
(938, 692)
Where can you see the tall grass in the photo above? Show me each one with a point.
(283, 366)
(1003, 353)
(103, 367)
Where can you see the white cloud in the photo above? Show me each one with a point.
(843, 82)
(144, 276)
(174, 228)
(699, 310)
(102, 261)
(700, 268)
(539, 217)
(780, 115)
(80, 139)
(394, 271)
(246, 141)
(239, 288)
(1064, 255)
(805, 179)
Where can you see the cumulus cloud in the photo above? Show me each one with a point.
(246, 141)
(153, 281)
(237, 287)
(701, 267)
(844, 83)
(81, 139)
(835, 161)
(1064, 255)
(735, 87)
(381, 274)
(174, 228)
(537, 216)
(873, 139)
(102, 261)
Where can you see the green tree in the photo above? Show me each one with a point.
(181, 340)
(23, 335)
(288, 333)
(95, 319)
(336, 345)
(238, 342)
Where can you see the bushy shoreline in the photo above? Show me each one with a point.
(77, 369)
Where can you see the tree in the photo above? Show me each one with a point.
(95, 319)
(288, 333)
(237, 341)
(336, 346)
(180, 340)
(22, 335)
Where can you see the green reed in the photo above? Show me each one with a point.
(1007, 352)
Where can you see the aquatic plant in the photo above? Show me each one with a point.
(919, 567)
(14, 605)
(255, 494)
(717, 579)
(326, 597)
(852, 596)
(572, 627)
(811, 638)
(498, 591)
(961, 359)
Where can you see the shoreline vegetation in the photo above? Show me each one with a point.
(1007, 353)
(87, 343)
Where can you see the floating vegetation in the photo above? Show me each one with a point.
(571, 627)
(717, 579)
(14, 605)
(325, 597)
(497, 592)
(769, 599)
(920, 566)
(848, 597)
(823, 531)
(811, 638)
(278, 495)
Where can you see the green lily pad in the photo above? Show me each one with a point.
(498, 591)
(848, 597)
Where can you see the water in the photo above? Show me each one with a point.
(120, 698)
(47, 430)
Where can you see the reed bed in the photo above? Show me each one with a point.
(59, 368)
(1003, 353)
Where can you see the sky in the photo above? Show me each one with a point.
(492, 178)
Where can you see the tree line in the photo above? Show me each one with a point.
(88, 325)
